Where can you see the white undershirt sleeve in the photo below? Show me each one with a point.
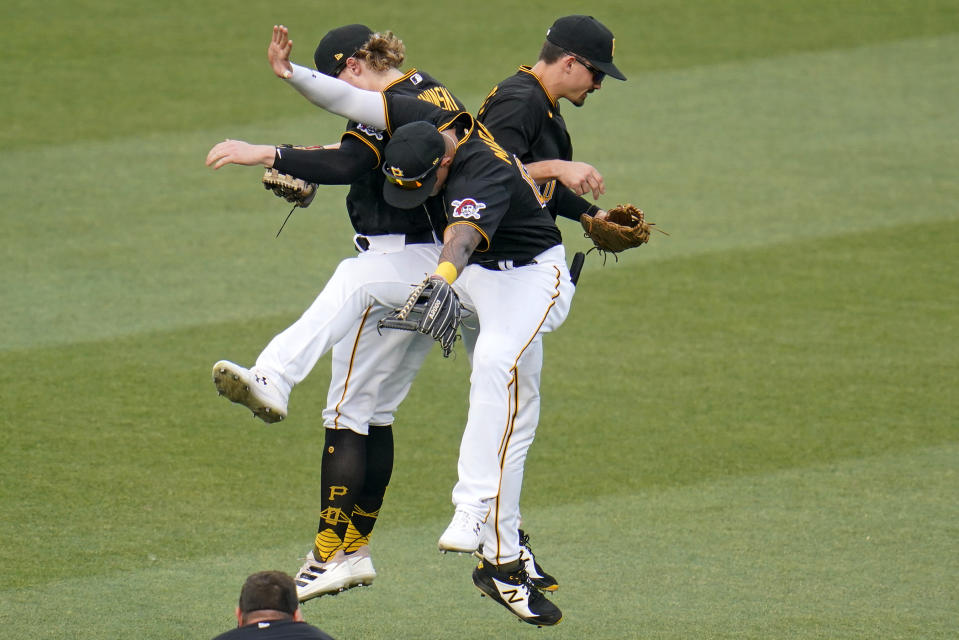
(341, 98)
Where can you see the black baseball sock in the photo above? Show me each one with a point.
(379, 469)
(343, 471)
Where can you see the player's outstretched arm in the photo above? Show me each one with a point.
(339, 97)
(239, 152)
(325, 92)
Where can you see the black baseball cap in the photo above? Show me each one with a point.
(410, 161)
(587, 37)
(338, 45)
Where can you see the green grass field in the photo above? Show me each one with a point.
(750, 428)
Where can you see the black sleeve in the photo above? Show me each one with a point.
(328, 166)
(402, 110)
(569, 205)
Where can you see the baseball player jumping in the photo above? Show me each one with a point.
(523, 114)
(504, 256)
(371, 373)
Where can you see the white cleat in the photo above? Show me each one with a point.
(362, 572)
(252, 388)
(463, 533)
(316, 579)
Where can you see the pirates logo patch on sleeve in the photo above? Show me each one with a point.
(467, 208)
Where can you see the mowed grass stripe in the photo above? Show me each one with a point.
(734, 155)
(732, 364)
(187, 66)
(841, 550)
(755, 359)
(808, 145)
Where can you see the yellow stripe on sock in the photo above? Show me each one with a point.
(326, 544)
(357, 511)
(353, 539)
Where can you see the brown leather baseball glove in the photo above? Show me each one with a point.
(294, 190)
(623, 228)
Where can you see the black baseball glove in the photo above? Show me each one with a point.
(433, 308)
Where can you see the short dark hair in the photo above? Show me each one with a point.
(269, 590)
(550, 53)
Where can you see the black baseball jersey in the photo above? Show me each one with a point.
(371, 215)
(487, 188)
(357, 163)
(275, 630)
(526, 120)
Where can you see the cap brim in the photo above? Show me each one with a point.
(609, 69)
(408, 198)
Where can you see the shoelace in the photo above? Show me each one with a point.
(523, 577)
(525, 546)
(524, 542)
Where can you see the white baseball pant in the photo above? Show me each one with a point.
(514, 308)
(371, 373)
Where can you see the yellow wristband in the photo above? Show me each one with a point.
(447, 271)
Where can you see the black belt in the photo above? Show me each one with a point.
(420, 237)
(504, 265)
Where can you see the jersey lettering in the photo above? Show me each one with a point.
(467, 208)
(532, 183)
(486, 101)
(441, 97)
(548, 189)
(487, 137)
(370, 131)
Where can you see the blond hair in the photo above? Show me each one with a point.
(383, 51)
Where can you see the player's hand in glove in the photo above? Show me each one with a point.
(433, 308)
(623, 227)
(299, 192)
(294, 190)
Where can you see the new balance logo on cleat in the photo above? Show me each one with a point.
(514, 591)
(512, 595)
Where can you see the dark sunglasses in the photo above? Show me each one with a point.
(598, 76)
(342, 65)
(407, 184)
